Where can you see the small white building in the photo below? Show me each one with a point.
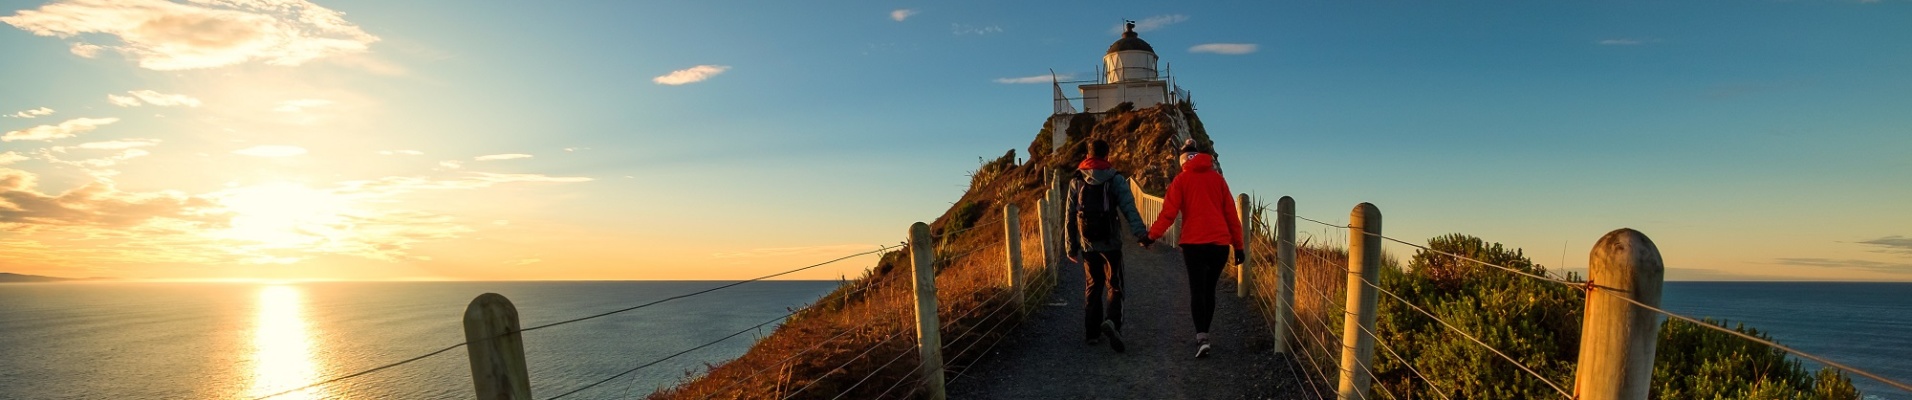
(1129, 75)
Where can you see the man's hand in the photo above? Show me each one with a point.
(1145, 242)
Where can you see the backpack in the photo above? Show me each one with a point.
(1095, 212)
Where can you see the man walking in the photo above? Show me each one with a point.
(1096, 198)
(1201, 197)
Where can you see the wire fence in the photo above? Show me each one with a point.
(409, 360)
(1316, 270)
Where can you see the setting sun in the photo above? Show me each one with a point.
(284, 216)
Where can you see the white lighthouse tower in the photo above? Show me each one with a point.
(1128, 75)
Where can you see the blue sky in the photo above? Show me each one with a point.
(1753, 140)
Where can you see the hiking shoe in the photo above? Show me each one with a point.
(1115, 336)
(1202, 351)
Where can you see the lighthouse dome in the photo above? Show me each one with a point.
(1130, 41)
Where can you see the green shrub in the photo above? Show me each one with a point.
(1538, 324)
(1694, 362)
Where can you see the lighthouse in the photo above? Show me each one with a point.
(1128, 75)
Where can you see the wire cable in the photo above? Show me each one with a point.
(686, 351)
(1523, 367)
(873, 373)
(1776, 345)
(733, 284)
(362, 373)
(866, 352)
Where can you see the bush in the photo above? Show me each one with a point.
(1695, 362)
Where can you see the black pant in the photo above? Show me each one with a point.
(1205, 263)
(1104, 271)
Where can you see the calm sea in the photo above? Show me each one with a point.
(1865, 325)
(215, 341)
(222, 341)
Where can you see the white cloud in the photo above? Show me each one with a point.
(901, 14)
(85, 50)
(575, 149)
(401, 153)
(497, 157)
(690, 75)
(1044, 78)
(960, 29)
(271, 151)
(451, 164)
(164, 35)
(1152, 23)
(301, 104)
(37, 112)
(138, 97)
(70, 128)
(120, 144)
(1224, 48)
(11, 157)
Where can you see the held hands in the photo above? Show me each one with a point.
(1145, 242)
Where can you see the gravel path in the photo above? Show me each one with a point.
(1047, 359)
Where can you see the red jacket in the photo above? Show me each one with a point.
(1201, 197)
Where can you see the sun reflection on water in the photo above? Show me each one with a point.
(282, 356)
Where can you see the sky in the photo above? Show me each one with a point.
(357, 140)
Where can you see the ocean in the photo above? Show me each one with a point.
(232, 340)
(1865, 325)
(242, 340)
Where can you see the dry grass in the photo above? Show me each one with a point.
(1320, 294)
(860, 341)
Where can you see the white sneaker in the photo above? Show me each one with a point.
(1202, 351)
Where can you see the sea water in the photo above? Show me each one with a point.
(231, 340)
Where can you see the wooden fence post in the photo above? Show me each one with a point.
(1285, 264)
(1247, 236)
(1617, 338)
(1364, 266)
(929, 337)
(1012, 249)
(496, 349)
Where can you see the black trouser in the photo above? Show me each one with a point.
(1104, 271)
(1205, 263)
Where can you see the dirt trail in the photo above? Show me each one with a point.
(1047, 359)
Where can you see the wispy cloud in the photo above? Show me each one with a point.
(901, 14)
(70, 128)
(37, 112)
(1152, 23)
(164, 35)
(120, 144)
(1892, 244)
(271, 151)
(135, 98)
(690, 75)
(400, 153)
(1863, 265)
(497, 157)
(451, 164)
(94, 203)
(85, 50)
(11, 157)
(962, 29)
(1044, 78)
(1224, 48)
(301, 105)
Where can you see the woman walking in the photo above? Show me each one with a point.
(1201, 197)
